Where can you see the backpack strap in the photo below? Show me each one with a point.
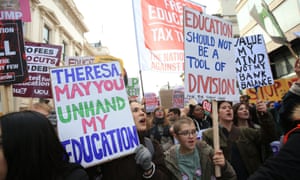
(286, 136)
(149, 145)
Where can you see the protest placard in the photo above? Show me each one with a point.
(252, 62)
(151, 101)
(77, 60)
(13, 66)
(209, 62)
(178, 98)
(159, 33)
(133, 88)
(40, 57)
(274, 92)
(15, 9)
(209, 57)
(95, 123)
(166, 96)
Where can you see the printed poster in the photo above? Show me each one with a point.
(77, 60)
(13, 66)
(40, 57)
(14, 10)
(159, 33)
(133, 88)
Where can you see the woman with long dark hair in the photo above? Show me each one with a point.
(30, 149)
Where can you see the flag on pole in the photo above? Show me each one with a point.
(268, 22)
(159, 33)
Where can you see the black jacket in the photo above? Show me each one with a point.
(286, 164)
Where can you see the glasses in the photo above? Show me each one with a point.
(188, 133)
(159, 111)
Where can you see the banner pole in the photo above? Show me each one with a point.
(142, 87)
(7, 99)
(137, 45)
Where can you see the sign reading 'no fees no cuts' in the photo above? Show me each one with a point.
(39, 57)
(95, 123)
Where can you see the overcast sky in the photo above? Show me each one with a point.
(111, 21)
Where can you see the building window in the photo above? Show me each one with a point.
(282, 61)
(64, 50)
(283, 67)
(46, 35)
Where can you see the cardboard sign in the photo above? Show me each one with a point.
(273, 92)
(166, 96)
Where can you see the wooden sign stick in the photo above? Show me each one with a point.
(216, 133)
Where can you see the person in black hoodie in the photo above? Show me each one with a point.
(30, 149)
(201, 120)
(285, 165)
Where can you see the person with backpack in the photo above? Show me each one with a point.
(30, 149)
(285, 165)
(148, 160)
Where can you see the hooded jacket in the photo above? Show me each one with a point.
(206, 153)
(249, 142)
(289, 102)
(285, 165)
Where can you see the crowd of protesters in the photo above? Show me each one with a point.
(169, 147)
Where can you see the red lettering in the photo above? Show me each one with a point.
(92, 123)
(210, 85)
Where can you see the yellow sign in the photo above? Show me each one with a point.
(273, 92)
